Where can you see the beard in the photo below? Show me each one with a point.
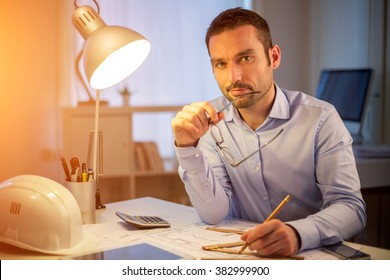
(247, 99)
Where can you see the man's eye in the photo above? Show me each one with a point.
(220, 65)
(246, 59)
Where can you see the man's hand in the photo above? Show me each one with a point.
(192, 122)
(273, 238)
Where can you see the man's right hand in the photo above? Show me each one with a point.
(192, 122)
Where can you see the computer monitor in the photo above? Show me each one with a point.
(347, 90)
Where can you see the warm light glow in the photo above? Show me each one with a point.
(111, 53)
(120, 64)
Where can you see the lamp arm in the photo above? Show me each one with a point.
(95, 136)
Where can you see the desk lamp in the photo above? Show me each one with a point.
(110, 54)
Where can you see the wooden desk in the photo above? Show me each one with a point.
(187, 233)
(374, 176)
(373, 173)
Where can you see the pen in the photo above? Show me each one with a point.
(90, 175)
(75, 175)
(66, 170)
(270, 217)
(84, 175)
(74, 163)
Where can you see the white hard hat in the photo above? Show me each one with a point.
(39, 214)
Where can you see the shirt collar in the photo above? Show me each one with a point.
(281, 107)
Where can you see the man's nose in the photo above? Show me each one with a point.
(235, 74)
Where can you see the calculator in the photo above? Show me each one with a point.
(143, 222)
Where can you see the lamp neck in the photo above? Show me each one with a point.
(86, 20)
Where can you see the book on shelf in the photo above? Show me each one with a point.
(147, 156)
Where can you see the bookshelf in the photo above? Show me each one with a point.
(121, 178)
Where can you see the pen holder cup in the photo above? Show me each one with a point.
(84, 193)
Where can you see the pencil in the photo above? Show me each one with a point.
(270, 217)
(66, 170)
(226, 230)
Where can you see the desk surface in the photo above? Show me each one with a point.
(186, 235)
(373, 172)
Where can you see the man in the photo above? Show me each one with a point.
(242, 160)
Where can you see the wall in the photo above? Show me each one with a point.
(386, 107)
(29, 101)
(314, 35)
(290, 29)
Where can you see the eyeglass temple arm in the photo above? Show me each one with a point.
(265, 144)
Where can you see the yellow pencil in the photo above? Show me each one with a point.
(270, 217)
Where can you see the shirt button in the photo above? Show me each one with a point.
(205, 184)
(197, 155)
(257, 168)
(264, 198)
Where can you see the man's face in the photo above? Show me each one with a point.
(240, 64)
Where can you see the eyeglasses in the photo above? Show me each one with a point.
(238, 97)
(224, 151)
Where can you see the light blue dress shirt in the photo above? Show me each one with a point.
(312, 160)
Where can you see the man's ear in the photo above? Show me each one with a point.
(275, 56)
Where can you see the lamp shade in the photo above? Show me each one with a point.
(111, 53)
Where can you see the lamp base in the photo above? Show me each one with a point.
(98, 202)
(92, 103)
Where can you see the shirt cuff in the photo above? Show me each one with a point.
(306, 230)
(190, 159)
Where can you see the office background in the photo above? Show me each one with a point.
(38, 46)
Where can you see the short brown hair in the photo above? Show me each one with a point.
(237, 17)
